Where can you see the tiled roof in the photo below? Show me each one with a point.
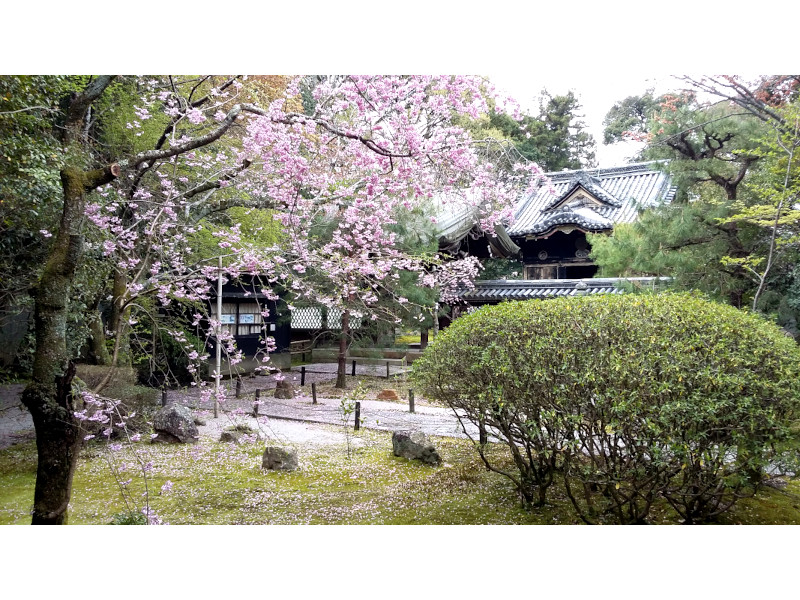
(491, 291)
(584, 217)
(456, 221)
(621, 192)
(590, 183)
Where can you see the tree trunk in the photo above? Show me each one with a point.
(341, 371)
(98, 340)
(58, 444)
(119, 321)
(483, 438)
(49, 396)
(121, 355)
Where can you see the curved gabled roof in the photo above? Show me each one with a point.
(593, 185)
(582, 217)
(611, 196)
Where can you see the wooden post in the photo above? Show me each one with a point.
(353, 374)
(411, 401)
(256, 403)
(238, 387)
(358, 415)
(302, 376)
(313, 393)
(387, 369)
(164, 397)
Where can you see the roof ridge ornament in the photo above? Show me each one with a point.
(592, 185)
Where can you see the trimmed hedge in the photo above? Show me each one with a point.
(629, 398)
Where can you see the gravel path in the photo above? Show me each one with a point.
(297, 420)
(375, 414)
(16, 424)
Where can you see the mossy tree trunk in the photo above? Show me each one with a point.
(120, 313)
(120, 329)
(49, 396)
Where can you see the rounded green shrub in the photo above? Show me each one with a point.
(630, 398)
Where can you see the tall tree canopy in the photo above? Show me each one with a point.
(555, 139)
(630, 118)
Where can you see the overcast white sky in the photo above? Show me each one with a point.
(604, 51)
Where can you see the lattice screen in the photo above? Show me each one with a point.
(311, 317)
(228, 315)
(307, 318)
(335, 319)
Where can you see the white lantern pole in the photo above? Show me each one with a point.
(219, 344)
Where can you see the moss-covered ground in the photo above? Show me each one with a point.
(223, 483)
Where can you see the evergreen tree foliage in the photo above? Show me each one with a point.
(30, 159)
(736, 190)
(629, 118)
(555, 139)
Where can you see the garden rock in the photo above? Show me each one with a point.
(174, 424)
(279, 459)
(238, 435)
(415, 445)
(776, 482)
(231, 436)
(388, 395)
(284, 389)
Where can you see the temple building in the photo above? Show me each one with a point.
(548, 233)
(550, 226)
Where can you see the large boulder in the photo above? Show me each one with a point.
(284, 389)
(279, 459)
(415, 445)
(174, 424)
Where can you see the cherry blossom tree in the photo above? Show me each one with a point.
(370, 149)
(362, 150)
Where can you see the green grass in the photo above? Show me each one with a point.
(17, 475)
(217, 483)
(768, 507)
